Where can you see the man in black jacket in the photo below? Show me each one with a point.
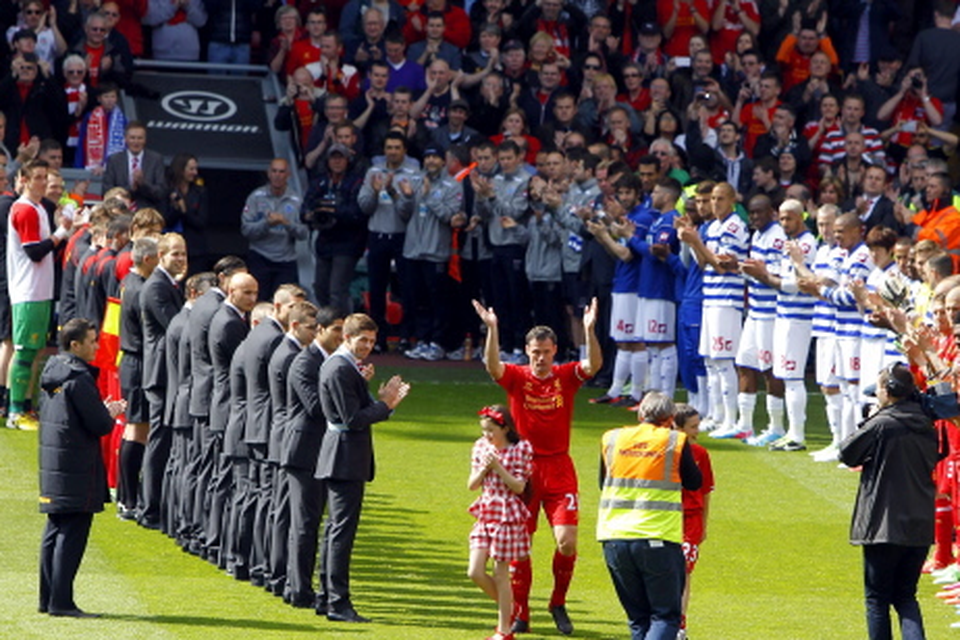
(301, 449)
(346, 453)
(73, 480)
(894, 515)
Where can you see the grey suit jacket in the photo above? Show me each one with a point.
(305, 422)
(277, 371)
(200, 366)
(160, 301)
(347, 449)
(151, 190)
(263, 340)
(227, 331)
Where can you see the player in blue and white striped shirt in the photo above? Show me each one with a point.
(856, 266)
(756, 343)
(792, 324)
(724, 247)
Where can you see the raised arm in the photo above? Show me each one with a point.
(491, 350)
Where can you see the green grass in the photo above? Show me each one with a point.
(776, 563)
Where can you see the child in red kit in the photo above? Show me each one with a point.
(696, 504)
(500, 464)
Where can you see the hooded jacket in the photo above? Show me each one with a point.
(72, 420)
(898, 449)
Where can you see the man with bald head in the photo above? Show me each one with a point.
(228, 327)
(856, 265)
(271, 223)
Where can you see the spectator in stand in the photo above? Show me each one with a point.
(175, 28)
(186, 210)
(322, 133)
(230, 28)
(371, 47)
(514, 127)
(402, 122)
(296, 111)
(124, 19)
(34, 106)
(35, 18)
(101, 134)
(593, 111)
(329, 73)
(940, 221)
(306, 50)
(75, 90)
(649, 53)
(815, 130)
(491, 106)
(806, 96)
(851, 166)
(688, 82)
(490, 13)
(403, 72)
(109, 58)
(456, 130)
(537, 102)
(910, 107)
(783, 138)
(289, 31)
(932, 51)
(271, 223)
(564, 121)
(430, 109)
(351, 20)
(565, 23)
(766, 181)
(680, 21)
(457, 22)
(866, 26)
(138, 168)
(756, 116)
(730, 19)
(872, 205)
(797, 49)
(851, 120)
(434, 47)
(635, 94)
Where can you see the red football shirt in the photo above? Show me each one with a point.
(693, 500)
(543, 407)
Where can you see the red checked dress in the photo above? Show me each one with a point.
(501, 525)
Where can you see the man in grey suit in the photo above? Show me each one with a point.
(346, 454)
(298, 456)
(138, 169)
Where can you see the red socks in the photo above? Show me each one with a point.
(562, 575)
(521, 577)
(943, 553)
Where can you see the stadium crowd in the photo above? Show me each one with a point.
(729, 178)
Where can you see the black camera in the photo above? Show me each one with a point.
(916, 82)
(322, 215)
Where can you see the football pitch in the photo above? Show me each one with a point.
(776, 563)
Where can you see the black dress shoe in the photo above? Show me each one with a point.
(561, 619)
(241, 573)
(347, 615)
(520, 626)
(257, 579)
(73, 613)
(149, 524)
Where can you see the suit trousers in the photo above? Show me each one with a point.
(308, 496)
(211, 444)
(239, 541)
(171, 482)
(188, 526)
(61, 550)
(220, 492)
(345, 500)
(279, 531)
(262, 491)
(154, 461)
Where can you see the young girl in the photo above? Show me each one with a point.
(501, 463)
(696, 504)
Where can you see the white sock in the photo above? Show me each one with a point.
(728, 387)
(621, 371)
(714, 391)
(638, 373)
(775, 412)
(746, 403)
(669, 365)
(653, 370)
(851, 404)
(703, 396)
(834, 412)
(796, 399)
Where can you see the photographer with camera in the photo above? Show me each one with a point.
(332, 211)
(906, 110)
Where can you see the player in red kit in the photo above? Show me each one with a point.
(541, 398)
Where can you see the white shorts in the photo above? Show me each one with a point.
(848, 366)
(827, 362)
(791, 347)
(657, 320)
(756, 345)
(720, 332)
(623, 318)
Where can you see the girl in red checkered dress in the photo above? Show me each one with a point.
(501, 463)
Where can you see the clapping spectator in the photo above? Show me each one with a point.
(42, 23)
(34, 106)
(289, 31)
(175, 28)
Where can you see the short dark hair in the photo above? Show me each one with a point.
(509, 146)
(228, 265)
(357, 322)
(648, 160)
(884, 237)
(394, 135)
(540, 332)
(75, 330)
(327, 315)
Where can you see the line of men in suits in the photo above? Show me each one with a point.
(231, 390)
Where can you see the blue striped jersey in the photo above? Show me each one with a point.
(626, 275)
(857, 265)
(766, 246)
(826, 265)
(791, 303)
(728, 236)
